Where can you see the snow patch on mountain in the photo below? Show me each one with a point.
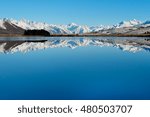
(2, 24)
(99, 28)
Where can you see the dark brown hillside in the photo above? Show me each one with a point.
(11, 29)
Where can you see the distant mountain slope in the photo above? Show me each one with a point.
(10, 26)
(128, 27)
(7, 27)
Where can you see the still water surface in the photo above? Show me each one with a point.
(75, 68)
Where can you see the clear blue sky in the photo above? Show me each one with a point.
(90, 12)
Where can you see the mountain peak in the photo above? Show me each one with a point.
(72, 24)
(130, 23)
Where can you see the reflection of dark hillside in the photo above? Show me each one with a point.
(12, 44)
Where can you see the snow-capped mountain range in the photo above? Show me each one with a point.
(7, 26)
(134, 45)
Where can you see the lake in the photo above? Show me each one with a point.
(75, 68)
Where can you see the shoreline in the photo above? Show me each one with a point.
(78, 35)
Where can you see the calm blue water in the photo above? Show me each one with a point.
(85, 72)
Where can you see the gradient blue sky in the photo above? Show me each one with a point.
(90, 12)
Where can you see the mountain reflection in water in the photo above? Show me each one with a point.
(131, 45)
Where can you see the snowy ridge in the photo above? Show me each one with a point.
(53, 29)
(24, 46)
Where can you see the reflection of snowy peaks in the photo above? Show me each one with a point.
(10, 24)
(25, 46)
